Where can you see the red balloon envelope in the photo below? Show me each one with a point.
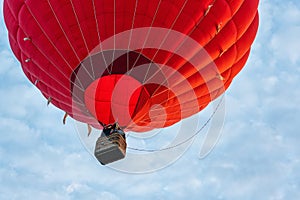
(146, 64)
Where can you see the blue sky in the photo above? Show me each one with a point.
(257, 157)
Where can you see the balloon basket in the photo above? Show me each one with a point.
(110, 148)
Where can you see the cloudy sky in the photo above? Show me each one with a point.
(257, 157)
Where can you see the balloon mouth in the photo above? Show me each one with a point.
(107, 67)
(111, 86)
(115, 98)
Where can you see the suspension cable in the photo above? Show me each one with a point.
(186, 140)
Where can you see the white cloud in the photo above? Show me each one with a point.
(279, 30)
(73, 187)
(107, 195)
(285, 44)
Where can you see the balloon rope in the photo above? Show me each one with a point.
(186, 140)
(146, 37)
(130, 37)
(165, 38)
(53, 44)
(66, 35)
(85, 42)
(98, 32)
(179, 46)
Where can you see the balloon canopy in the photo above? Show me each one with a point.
(146, 64)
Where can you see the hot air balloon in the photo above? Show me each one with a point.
(143, 64)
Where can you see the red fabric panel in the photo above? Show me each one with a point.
(63, 34)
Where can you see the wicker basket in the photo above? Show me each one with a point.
(110, 148)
